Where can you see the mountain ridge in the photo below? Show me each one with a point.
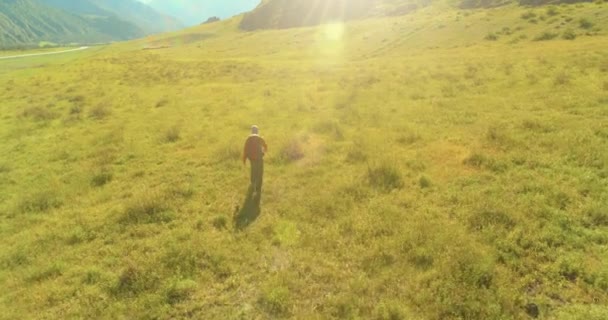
(29, 22)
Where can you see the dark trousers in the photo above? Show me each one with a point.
(257, 174)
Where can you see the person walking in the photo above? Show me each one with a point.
(255, 148)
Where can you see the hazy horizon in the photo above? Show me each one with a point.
(192, 12)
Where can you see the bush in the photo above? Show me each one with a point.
(385, 177)
(356, 155)
(528, 15)
(486, 218)
(76, 110)
(491, 37)
(42, 201)
(220, 222)
(425, 182)
(184, 260)
(561, 79)
(584, 23)
(552, 11)
(331, 128)
(99, 112)
(101, 179)
(77, 100)
(180, 290)
(535, 125)
(292, 151)
(229, 153)
(53, 271)
(498, 137)
(597, 216)
(39, 114)
(546, 36)
(476, 159)
(5, 168)
(162, 102)
(133, 280)
(148, 207)
(408, 138)
(569, 34)
(390, 311)
(276, 300)
(172, 135)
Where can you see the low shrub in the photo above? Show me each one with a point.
(41, 201)
(476, 160)
(408, 138)
(552, 11)
(562, 79)
(229, 153)
(53, 271)
(77, 100)
(172, 134)
(491, 37)
(569, 34)
(147, 207)
(101, 178)
(425, 182)
(220, 222)
(162, 102)
(545, 36)
(99, 112)
(180, 290)
(491, 218)
(385, 177)
(133, 280)
(76, 110)
(585, 23)
(328, 127)
(597, 216)
(292, 151)
(356, 155)
(276, 300)
(390, 311)
(39, 113)
(528, 15)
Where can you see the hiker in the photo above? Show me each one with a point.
(255, 148)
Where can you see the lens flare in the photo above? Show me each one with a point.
(334, 31)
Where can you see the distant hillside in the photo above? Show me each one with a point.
(282, 14)
(296, 13)
(472, 4)
(27, 22)
(146, 18)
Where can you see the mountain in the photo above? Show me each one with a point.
(30, 21)
(143, 16)
(27, 22)
(193, 12)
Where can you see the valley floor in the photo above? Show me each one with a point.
(417, 169)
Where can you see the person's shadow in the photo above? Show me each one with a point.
(250, 211)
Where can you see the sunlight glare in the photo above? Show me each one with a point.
(334, 31)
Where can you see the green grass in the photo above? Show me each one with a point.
(414, 172)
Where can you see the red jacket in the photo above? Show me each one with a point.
(255, 148)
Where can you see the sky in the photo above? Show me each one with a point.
(192, 12)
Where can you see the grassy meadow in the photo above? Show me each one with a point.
(446, 164)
